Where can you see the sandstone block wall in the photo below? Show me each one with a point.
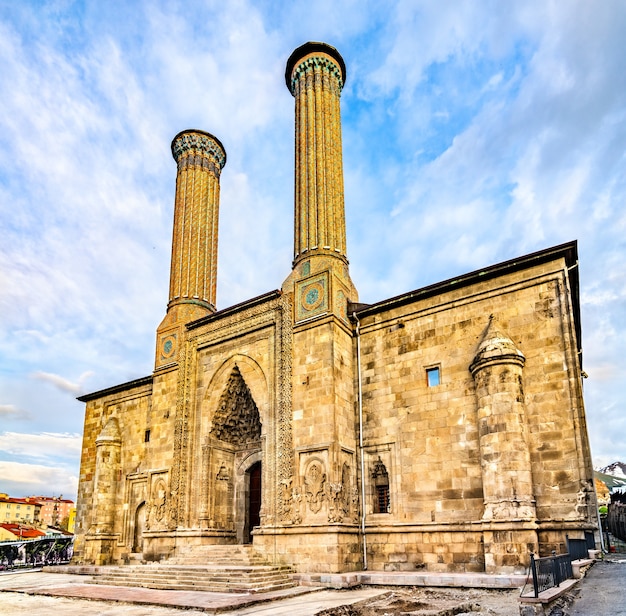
(428, 436)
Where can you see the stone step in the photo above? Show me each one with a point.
(201, 560)
(223, 568)
(205, 567)
(222, 555)
(216, 577)
(218, 554)
(230, 587)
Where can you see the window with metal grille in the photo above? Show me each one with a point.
(382, 499)
(382, 502)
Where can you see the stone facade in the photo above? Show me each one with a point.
(442, 429)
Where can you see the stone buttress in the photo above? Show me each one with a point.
(509, 516)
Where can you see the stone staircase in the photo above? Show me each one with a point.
(214, 568)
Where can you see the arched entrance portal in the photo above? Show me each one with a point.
(253, 500)
(233, 454)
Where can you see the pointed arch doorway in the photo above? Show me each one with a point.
(253, 500)
(235, 454)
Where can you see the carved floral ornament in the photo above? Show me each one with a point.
(200, 144)
(157, 507)
(322, 64)
(379, 473)
(314, 481)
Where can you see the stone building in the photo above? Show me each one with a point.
(441, 429)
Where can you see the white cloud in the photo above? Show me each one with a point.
(42, 446)
(11, 411)
(471, 135)
(64, 384)
(22, 479)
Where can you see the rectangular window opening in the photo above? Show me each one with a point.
(147, 437)
(433, 376)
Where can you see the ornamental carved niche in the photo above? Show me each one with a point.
(222, 474)
(314, 481)
(379, 473)
(156, 518)
(335, 510)
(236, 419)
(292, 498)
(340, 497)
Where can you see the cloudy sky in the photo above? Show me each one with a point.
(474, 132)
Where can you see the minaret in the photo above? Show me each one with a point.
(320, 288)
(315, 76)
(200, 158)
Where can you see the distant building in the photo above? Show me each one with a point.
(71, 523)
(18, 532)
(613, 483)
(441, 429)
(602, 492)
(19, 510)
(55, 510)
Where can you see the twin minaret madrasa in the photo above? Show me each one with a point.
(332, 435)
(315, 76)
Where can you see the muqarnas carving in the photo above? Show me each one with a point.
(236, 419)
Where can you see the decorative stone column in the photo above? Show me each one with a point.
(497, 369)
(193, 275)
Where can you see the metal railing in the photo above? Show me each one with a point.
(35, 553)
(616, 519)
(550, 571)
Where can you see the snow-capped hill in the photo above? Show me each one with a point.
(616, 469)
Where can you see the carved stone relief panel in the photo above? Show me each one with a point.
(221, 487)
(314, 485)
(343, 495)
(156, 517)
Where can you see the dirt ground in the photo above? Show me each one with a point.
(433, 602)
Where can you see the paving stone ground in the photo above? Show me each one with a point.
(600, 593)
(62, 595)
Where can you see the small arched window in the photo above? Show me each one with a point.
(382, 502)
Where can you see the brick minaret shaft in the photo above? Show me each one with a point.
(200, 158)
(319, 285)
(315, 76)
